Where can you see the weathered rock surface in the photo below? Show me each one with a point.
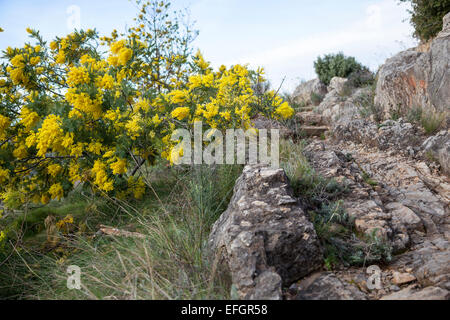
(340, 107)
(429, 262)
(261, 122)
(413, 78)
(390, 194)
(390, 134)
(326, 286)
(337, 84)
(395, 193)
(309, 118)
(400, 278)
(264, 236)
(429, 293)
(439, 147)
(303, 92)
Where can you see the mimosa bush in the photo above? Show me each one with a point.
(85, 108)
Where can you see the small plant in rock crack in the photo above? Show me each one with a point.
(373, 249)
(333, 226)
(316, 98)
(367, 107)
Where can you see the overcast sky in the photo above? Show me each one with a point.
(284, 36)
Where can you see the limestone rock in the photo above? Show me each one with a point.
(337, 84)
(264, 236)
(303, 92)
(326, 286)
(429, 293)
(413, 78)
(402, 278)
(309, 118)
(390, 134)
(261, 122)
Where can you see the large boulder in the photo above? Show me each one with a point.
(264, 236)
(303, 92)
(337, 84)
(412, 78)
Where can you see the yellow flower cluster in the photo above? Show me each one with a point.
(4, 175)
(120, 53)
(28, 118)
(54, 169)
(180, 113)
(285, 111)
(51, 136)
(101, 177)
(84, 103)
(75, 114)
(65, 223)
(4, 125)
(77, 75)
(56, 191)
(119, 167)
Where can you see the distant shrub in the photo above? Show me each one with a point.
(316, 98)
(361, 78)
(336, 65)
(427, 17)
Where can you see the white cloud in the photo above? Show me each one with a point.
(373, 38)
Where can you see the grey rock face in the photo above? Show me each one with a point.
(261, 122)
(264, 236)
(302, 93)
(390, 134)
(429, 293)
(337, 84)
(439, 147)
(326, 286)
(339, 108)
(413, 78)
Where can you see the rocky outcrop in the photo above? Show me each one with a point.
(303, 92)
(327, 286)
(412, 293)
(413, 78)
(429, 262)
(389, 134)
(264, 236)
(338, 85)
(438, 147)
(344, 103)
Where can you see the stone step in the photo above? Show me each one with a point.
(306, 109)
(310, 118)
(312, 131)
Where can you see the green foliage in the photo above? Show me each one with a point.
(170, 263)
(361, 78)
(367, 106)
(430, 121)
(427, 17)
(336, 65)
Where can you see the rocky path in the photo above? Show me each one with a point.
(404, 200)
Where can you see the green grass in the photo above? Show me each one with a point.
(175, 216)
(172, 262)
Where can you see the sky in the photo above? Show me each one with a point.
(283, 36)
